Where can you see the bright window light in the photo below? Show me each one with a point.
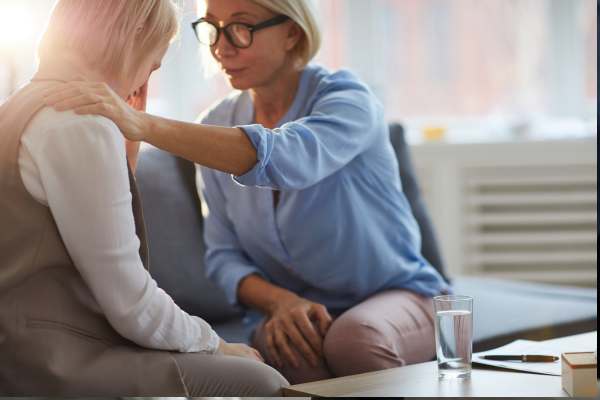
(15, 25)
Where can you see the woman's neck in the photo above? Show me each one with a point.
(271, 102)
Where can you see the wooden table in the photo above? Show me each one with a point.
(421, 380)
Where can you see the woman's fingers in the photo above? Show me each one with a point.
(143, 91)
(85, 93)
(70, 96)
(283, 346)
(307, 328)
(76, 102)
(138, 100)
(258, 355)
(252, 353)
(322, 315)
(61, 94)
(93, 109)
(300, 343)
(272, 349)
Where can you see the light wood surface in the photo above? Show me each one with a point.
(421, 380)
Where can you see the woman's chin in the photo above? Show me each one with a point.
(239, 83)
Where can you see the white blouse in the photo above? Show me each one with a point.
(76, 165)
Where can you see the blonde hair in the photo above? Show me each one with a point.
(302, 12)
(107, 32)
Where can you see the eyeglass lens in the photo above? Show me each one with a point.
(238, 34)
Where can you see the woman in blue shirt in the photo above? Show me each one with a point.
(306, 220)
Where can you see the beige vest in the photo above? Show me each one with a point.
(54, 341)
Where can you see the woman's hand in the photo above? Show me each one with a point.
(98, 98)
(137, 101)
(239, 350)
(301, 322)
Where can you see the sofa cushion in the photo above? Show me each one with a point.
(429, 247)
(175, 234)
(239, 330)
(504, 310)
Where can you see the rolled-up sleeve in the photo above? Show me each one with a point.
(226, 263)
(342, 124)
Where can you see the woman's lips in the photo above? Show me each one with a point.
(234, 71)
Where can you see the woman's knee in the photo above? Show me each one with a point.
(355, 345)
(262, 380)
(210, 375)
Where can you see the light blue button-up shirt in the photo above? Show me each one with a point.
(343, 229)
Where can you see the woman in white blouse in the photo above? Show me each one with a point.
(79, 312)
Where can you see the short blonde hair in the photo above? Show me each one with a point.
(302, 12)
(106, 32)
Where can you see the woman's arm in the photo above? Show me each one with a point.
(83, 171)
(345, 121)
(224, 149)
(225, 262)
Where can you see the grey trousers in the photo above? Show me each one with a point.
(227, 376)
(217, 376)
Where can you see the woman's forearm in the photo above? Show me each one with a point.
(224, 149)
(255, 292)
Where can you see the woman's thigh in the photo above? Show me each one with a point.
(390, 329)
(227, 376)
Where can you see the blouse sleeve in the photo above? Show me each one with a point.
(344, 122)
(226, 263)
(83, 170)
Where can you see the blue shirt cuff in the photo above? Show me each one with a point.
(262, 141)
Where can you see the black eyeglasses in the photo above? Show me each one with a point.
(239, 34)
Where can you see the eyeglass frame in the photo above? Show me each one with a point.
(277, 20)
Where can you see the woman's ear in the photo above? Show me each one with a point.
(138, 31)
(293, 37)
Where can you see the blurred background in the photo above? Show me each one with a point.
(481, 69)
(498, 99)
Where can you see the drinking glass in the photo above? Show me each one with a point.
(453, 335)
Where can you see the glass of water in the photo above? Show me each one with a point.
(453, 335)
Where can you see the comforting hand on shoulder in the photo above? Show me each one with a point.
(98, 98)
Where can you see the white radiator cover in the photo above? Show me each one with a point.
(517, 210)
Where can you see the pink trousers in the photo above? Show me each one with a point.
(390, 329)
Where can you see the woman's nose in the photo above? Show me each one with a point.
(223, 48)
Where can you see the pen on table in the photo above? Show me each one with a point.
(522, 357)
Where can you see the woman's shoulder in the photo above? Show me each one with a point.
(49, 124)
(50, 119)
(342, 84)
(326, 80)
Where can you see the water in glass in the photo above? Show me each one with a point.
(453, 337)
